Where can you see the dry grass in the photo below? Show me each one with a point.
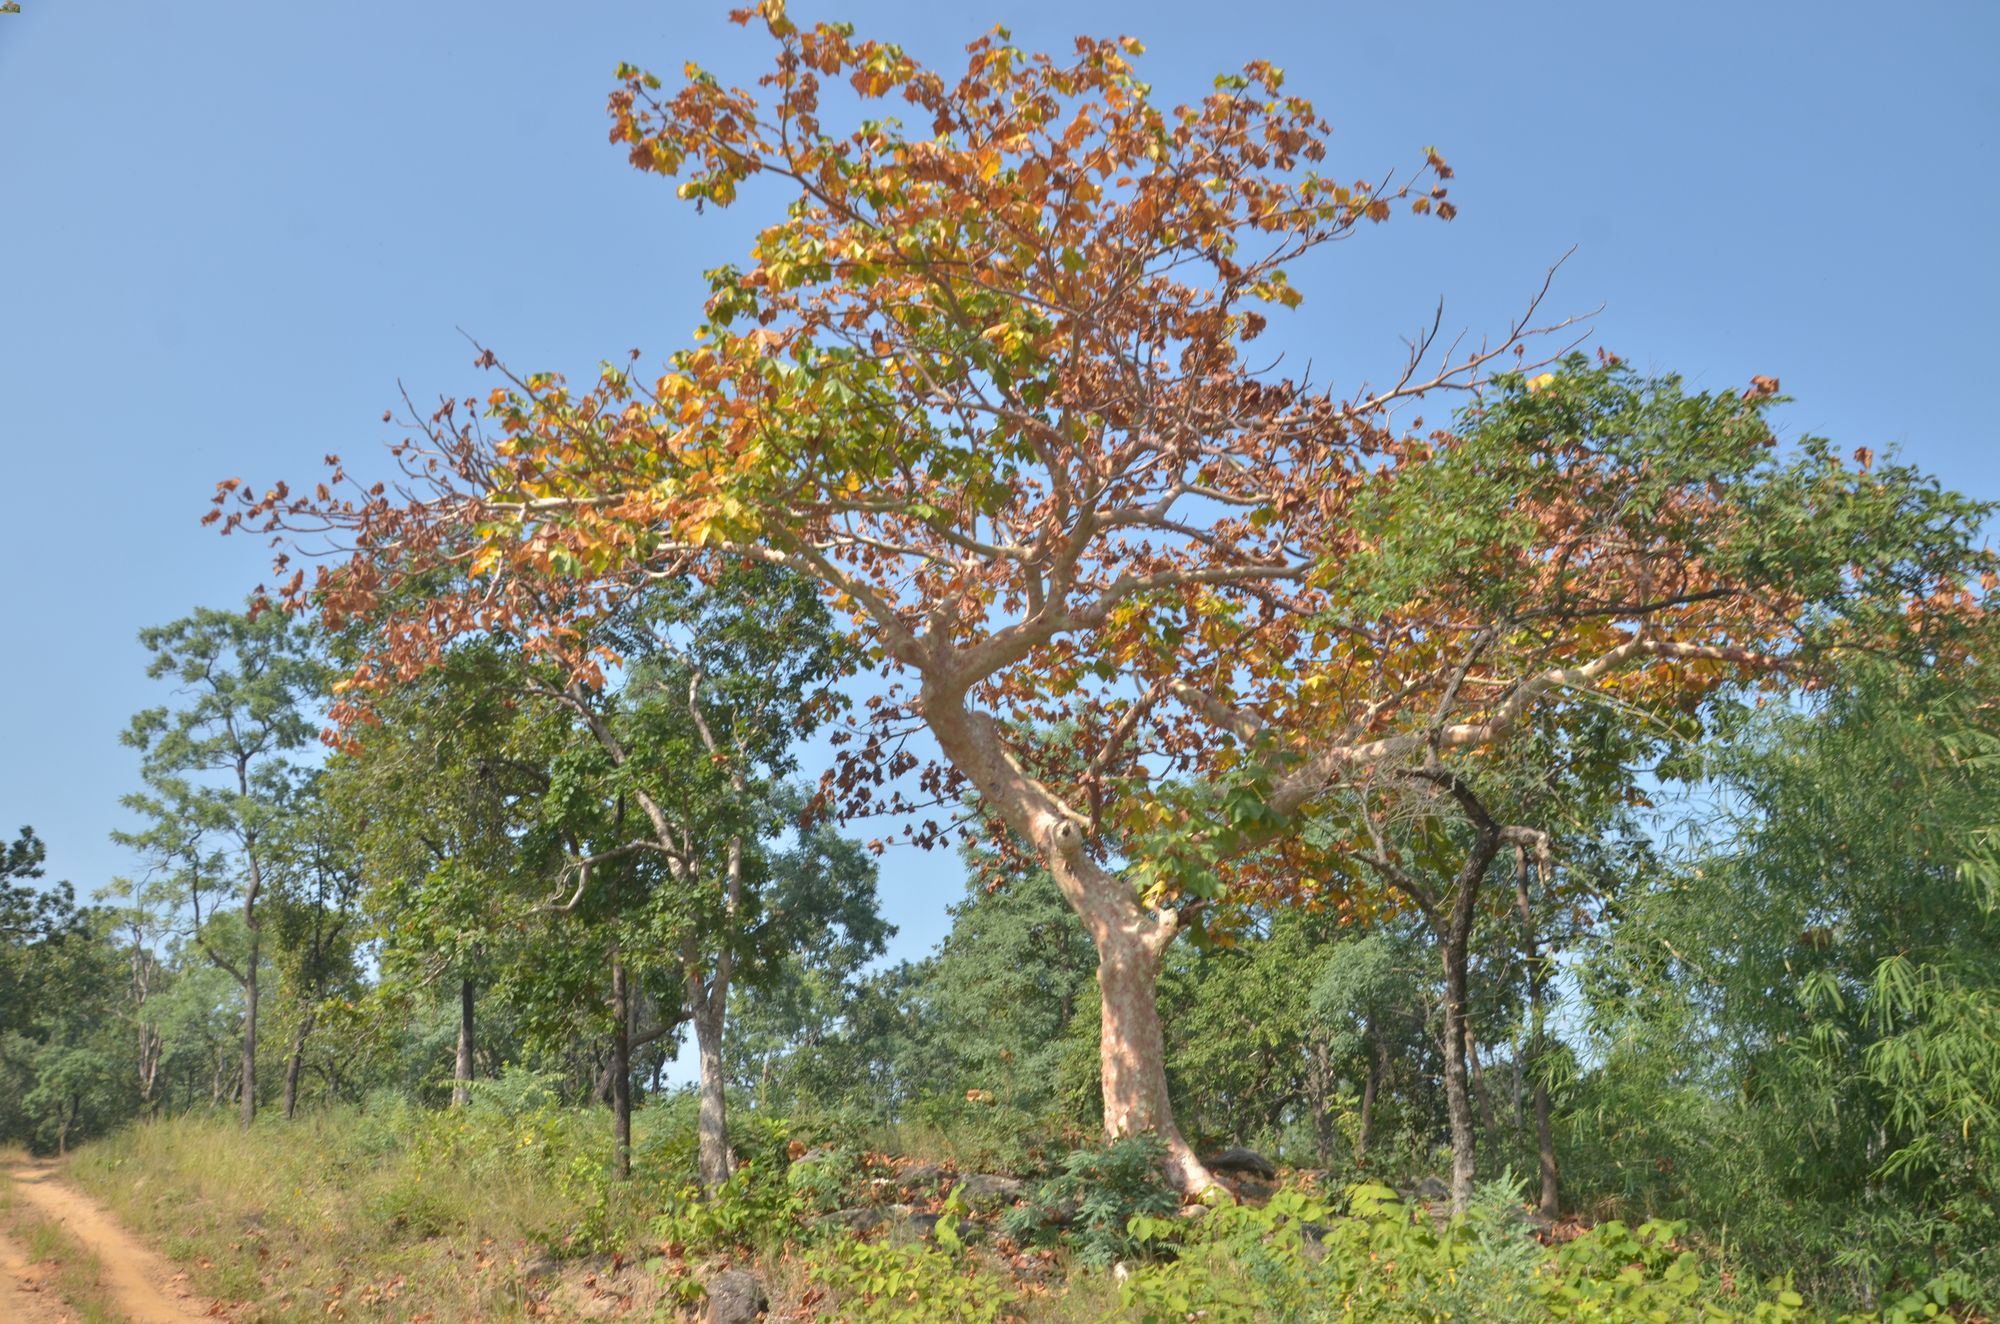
(422, 1218)
(325, 1217)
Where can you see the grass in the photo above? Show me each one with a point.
(485, 1216)
(329, 1214)
(399, 1214)
(76, 1276)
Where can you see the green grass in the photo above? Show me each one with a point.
(335, 1211)
(399, 1214)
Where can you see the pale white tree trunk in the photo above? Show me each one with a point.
(1131, 939)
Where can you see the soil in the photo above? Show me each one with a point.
(144, 1286)
(23, 1297)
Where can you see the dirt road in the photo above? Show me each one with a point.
(142, 1285)
(24, 1297)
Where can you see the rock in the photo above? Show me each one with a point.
(817, 1154)
(921, 1224)
(923, 1174)
(861, 1218)
(542, 1266)
(1240, 1160)
(991, 1186)
(736, 1296)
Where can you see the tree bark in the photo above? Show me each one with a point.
(294, 1064)
(621, 1074)
(1453, 929)
(600, 1087)
(461, 1069)
(1371, 1084)
(1457, 1097)
(1480, 1094)
(1454, 944)
(1319, 1096)
(1131, 939)
(252, 925)
(712, 1127)
(1550, 1203)
(247, 1105)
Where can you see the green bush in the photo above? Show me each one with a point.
(755, 1210)
(877, 1281)
(1090, 1204)
(1386, 1263)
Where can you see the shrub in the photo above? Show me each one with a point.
(935, 1282)
(1091, 1203)
(1386, 1263)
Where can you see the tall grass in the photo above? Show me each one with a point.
(385, 1212)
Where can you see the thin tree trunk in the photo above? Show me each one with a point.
(247, 1104)
(1481, 1095)
(461, 1069)
(1371, 1084)
(252, 925)
(1319, 1091)
(707, 1000)
(1453, 946)
(1457, 1097)
(151, 1048)
(294, 1063)
(1550, 1203)
(621, 1074)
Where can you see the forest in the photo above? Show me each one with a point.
(1541, 861)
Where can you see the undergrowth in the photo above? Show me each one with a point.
(505, 1211)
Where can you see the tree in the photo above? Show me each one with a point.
(987, 383)
(218, 771)
(725, 677)
(440, 796)
(817, 928)
(62, 1062)
(314, 906)
(1373, 999)
(1799, 1022)
(29, 917)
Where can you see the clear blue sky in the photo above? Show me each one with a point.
(230, 229)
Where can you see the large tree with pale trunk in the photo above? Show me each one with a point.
(987, 379)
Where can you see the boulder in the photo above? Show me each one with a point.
(542, 1266)
(992, 1186)
(922, 1174)
(736, 1296)
(1237, 1161)
(861, 1218)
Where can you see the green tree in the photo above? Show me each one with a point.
(439, 797)
(219, 767)
(816, 927)
(1799, 1026)
(313, 908)
(62, 1062)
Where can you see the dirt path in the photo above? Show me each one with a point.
(23, 1299)
(142, 1284)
